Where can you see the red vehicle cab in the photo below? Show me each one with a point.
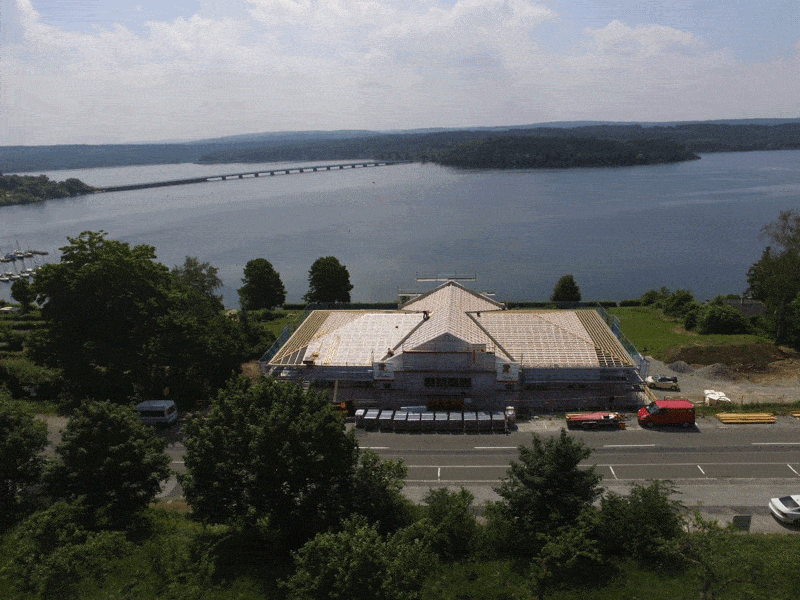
(667, 412)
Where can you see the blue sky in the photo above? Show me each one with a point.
(102, 71)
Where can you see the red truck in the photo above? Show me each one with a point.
(667, 412)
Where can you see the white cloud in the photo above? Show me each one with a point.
(378, 64)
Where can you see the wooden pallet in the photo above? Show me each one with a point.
(746, 418)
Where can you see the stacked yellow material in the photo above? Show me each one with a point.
(743, 418)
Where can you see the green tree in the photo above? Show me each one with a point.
(566, 290)
(564, 556)
(102, 303)
(328, 281)
(262, 287)
(196, 347)
(22, 292)
(54, 551)
(22, 439)
(357, 563)
(270, 453)
(453, 528)
(201, 278)
(543, 492)
(119, 323)
(652, 521)
(678, 303)
(377, 492)
(721, 318)
(109, 461)
(775, 280)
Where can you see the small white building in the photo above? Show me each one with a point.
(454, 348)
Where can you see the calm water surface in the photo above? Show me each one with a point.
(620, 231)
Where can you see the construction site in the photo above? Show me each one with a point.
(454, 349)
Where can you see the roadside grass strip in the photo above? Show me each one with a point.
(746, 418)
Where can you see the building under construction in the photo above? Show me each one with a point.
(453, 348)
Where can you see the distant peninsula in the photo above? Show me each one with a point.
(533, 152)
(29, 189)
(426, 145)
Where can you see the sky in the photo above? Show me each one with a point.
(108, 71)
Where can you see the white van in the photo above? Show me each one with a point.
(157, 412)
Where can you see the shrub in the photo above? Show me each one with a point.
(678, 303)
(719, 318)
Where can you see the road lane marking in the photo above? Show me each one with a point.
(775, 443)
(793, 471)
(439, 474)
(374, 447)
(177, 462)
(629, 446)
(612, 472)
(701, 469)
(496, 447)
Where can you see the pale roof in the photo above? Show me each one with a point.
(453, 317)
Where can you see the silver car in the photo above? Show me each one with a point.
(786, 508)
(662, 382)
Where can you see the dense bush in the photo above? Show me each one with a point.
(720, 318)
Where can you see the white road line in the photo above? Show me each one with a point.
(374, 447)
(451, 481)
(701, 469)
(775, 443)
(793, 471)
(505, 466)
(439, 474)
(496, 447)
(629, 446)
(612, 472)
(177, 462)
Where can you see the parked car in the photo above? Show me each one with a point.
(662, 382)
(157, 412)
(786, 508)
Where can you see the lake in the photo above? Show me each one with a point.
(619, 231)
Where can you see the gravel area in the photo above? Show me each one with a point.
(741, 389)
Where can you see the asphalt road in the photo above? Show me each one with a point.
(724, 470)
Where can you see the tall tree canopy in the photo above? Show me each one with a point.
(775, 277)
(262, 287)
(110, 461)
(566, 290)
(120, 323)
(543, 492)
(328, 281)
(273, 454)
(22, 439)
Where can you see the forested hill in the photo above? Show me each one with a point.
(527, 152)
(731, 136)
(27, 189)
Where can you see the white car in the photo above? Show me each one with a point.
(786, 508)
(662, 382)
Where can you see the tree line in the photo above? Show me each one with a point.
(528, 152)
(734, 136)
(28, 189)
(284, 492)
(118, 324)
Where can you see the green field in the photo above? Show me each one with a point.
(661, 336)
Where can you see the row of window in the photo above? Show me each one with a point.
(448, 382)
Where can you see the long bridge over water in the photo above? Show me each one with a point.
(248, 174)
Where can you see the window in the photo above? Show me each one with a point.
(448, 382)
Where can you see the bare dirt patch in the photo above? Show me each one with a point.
(747, 374)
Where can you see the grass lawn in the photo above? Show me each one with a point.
(649, 328)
